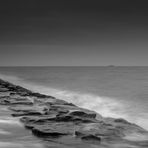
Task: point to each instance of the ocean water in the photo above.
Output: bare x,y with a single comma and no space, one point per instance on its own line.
119,92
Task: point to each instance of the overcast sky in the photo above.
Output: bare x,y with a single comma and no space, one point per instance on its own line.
73,32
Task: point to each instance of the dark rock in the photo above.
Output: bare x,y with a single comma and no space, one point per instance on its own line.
88,114
28,110
14,101
71,118
54,129
121,121
3,89
41,133
70,104
40,95
38,119
91,138
79,134
26,114
13,93
99,129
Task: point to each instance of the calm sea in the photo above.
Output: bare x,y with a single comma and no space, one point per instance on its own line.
111,91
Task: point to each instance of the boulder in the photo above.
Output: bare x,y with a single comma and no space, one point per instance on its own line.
91,138
81,113
53,129
98,129
71,118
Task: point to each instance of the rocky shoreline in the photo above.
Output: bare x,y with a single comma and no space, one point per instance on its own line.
67,125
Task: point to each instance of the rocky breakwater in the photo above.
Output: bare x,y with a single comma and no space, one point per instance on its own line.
63,125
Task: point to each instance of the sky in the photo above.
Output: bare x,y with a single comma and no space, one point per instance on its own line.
73,33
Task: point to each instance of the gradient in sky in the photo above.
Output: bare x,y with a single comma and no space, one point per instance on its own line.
73,32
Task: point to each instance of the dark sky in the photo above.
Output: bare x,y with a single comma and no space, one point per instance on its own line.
73,32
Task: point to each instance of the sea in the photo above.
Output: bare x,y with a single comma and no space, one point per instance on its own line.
112,91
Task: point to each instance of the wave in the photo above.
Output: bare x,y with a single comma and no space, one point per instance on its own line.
106,106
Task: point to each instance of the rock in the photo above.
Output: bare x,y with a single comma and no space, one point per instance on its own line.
27,109
39,95
121,121
99,129
54,129
87,136
63,107
46,132
71,118
3,89
31,113
87,114
13,93
91,138
43,119
14,101
123,126
18,89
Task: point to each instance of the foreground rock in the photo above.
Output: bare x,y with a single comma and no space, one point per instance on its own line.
62,124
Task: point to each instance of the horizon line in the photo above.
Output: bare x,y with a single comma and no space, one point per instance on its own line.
74,66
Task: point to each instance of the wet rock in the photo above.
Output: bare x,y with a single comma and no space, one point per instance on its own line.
26,114
39,95
91,138
121,121
43,119
71,118
87,114
3,89
18,89
63,106
54,129
99,129
124,126
46,132
14,101
13,93
27,109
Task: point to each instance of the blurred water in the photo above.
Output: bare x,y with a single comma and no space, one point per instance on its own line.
13,134
111,91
